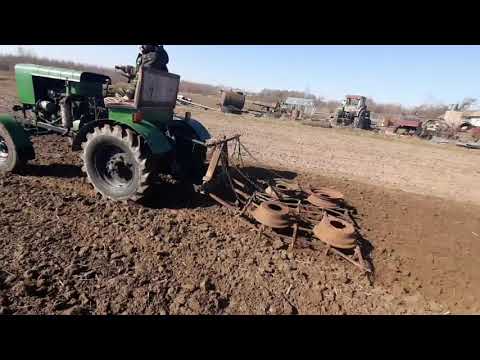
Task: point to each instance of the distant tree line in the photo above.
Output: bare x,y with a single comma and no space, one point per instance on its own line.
28,56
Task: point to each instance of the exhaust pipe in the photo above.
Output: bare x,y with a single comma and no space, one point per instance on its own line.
66,112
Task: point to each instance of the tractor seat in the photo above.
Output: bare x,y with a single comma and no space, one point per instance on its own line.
155,89
119,102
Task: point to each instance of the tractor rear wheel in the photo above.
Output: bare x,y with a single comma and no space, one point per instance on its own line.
190,158
361,121
115,163
10,159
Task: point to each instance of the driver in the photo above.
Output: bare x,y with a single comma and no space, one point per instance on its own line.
153,56
150,56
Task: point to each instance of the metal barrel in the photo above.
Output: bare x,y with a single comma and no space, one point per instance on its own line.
230,98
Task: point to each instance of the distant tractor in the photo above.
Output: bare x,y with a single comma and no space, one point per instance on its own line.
123,144
353,112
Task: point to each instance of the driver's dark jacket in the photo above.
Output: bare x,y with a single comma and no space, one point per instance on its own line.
155,59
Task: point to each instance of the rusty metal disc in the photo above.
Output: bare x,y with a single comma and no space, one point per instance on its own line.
269,191
335,232
321,202
327,193
292,203
284,185
272,214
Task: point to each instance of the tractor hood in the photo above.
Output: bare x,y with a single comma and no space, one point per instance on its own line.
60,73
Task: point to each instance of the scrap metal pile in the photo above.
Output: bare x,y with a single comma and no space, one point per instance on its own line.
299,215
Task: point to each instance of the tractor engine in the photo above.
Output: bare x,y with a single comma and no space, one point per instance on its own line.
47,109
60,109
61,98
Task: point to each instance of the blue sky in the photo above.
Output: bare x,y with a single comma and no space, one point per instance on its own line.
408,75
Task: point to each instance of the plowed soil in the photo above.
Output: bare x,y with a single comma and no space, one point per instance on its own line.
64,250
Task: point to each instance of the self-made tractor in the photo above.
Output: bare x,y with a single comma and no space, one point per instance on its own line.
124,145
353,112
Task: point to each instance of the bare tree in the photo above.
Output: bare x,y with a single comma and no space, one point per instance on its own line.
25,52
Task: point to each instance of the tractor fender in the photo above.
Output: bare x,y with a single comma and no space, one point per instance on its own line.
200,130
154,137
197,127
19,136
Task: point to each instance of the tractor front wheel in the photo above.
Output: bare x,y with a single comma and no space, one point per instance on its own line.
10,160
356,122
115,164
336,119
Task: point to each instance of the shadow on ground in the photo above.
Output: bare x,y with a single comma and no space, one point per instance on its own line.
175,196
263,173
53,170
182,195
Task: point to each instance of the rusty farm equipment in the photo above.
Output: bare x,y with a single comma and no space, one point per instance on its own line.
281,209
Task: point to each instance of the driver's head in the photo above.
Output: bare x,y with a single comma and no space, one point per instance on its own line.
145,49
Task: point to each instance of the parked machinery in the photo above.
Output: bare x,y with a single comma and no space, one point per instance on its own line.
424,128
407,126
353,112
435,128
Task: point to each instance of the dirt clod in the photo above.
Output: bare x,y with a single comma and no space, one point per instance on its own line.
207,285
279,244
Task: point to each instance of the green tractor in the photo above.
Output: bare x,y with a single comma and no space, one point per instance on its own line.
124,145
